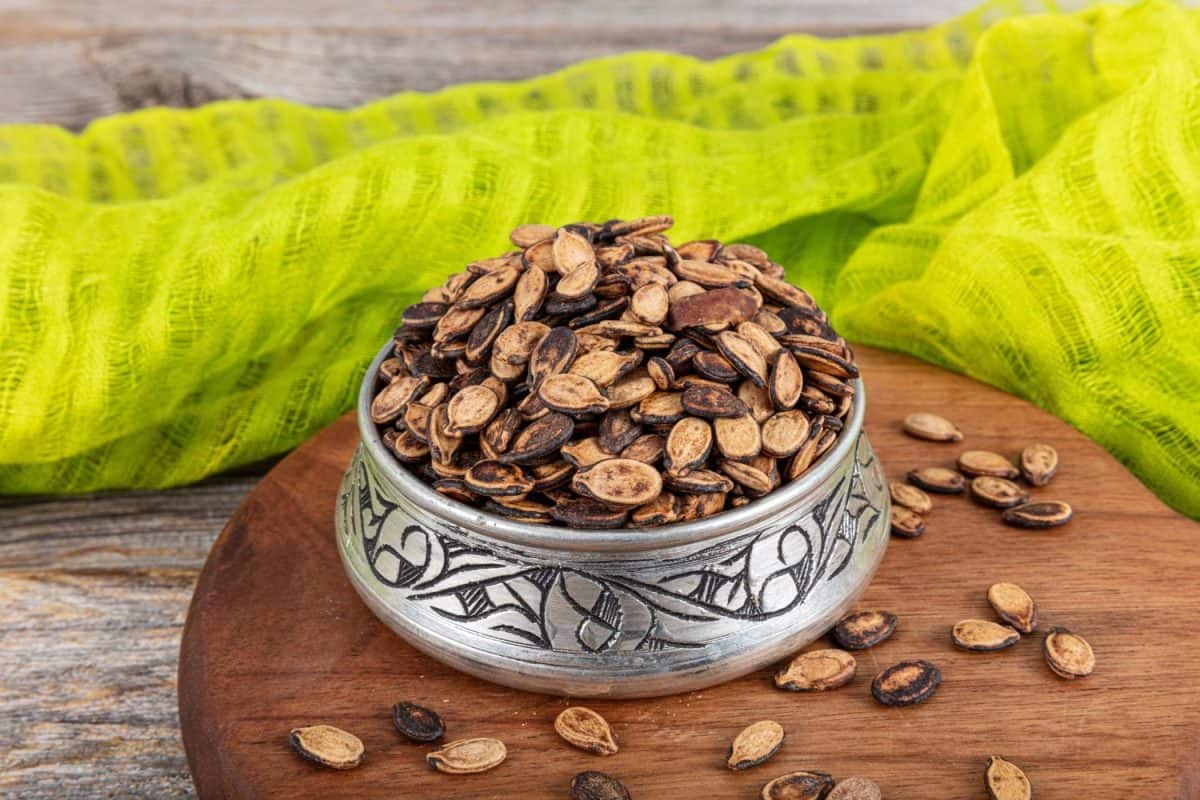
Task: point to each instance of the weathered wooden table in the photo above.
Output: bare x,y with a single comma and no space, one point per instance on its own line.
93,590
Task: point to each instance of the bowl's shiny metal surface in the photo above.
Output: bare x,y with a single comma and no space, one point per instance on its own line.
617,613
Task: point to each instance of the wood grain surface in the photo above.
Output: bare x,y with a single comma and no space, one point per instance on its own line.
276,638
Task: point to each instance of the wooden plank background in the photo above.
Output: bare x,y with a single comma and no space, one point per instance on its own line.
93,590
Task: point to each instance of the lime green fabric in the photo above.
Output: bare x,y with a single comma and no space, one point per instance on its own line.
1013,195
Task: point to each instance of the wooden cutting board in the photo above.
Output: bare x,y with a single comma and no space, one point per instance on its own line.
276,638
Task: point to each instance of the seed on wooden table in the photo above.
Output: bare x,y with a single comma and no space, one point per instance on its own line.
817,671
938,479
864,629
802,785
699,481
755,744
711,402
975,463
910,497
1006,781
417,723
542,437
906,683
981,635
471,409
856,789
931,427
571,251
1013,605
906,523
392,399
467,756
784,433
583,512
619,482
593,785
688,445
744,356
572,394
1041,514
997,492
1039,463
738,438
495,479
530,234
586,730
1068,654
328,746
787,381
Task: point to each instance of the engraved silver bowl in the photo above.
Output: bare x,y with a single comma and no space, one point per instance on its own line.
612,613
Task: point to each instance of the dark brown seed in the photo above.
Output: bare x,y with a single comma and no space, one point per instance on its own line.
981,635
572,394
1039,463
522,510
620,482
417,723
699,481
787,381
906,683
910,497
662,510
424,316
528,235
597,786
489,288
938,479
661,408
1005,781
407,447
815,359
698,506
906,523
997,492
618,430
688,445
864,629
585,513
715,307
328,746
1013,605
715,367
710,402
390,369
755,744
1042,514
803,785
391,401
586,730
814,401
975,463
856,789
455,488
549,476
498,434
572,251
541,438
495,479
681,354
645,272
817,671
1068,654
641,226
553,354
467,756
738,438
609,309
647,448
932,428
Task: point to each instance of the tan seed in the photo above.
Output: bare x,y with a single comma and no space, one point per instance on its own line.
585,452
906,683
528,235
1068,654
1006,781
586,730
650,304
700,250
392,400
755,744
787,381
975,463
407,447
688,444
661,373
783,292
753,480
803,785
471,409
767,345
457,323
662,510
744,356
442,443
699,481
630,390
981,635
997,492
495,479
938,479
328,746
572,394
1013,605
661,408
572,251
931,427
910,497
529,294
487,289
864,629
708,274
715,367
738,438
516,343
906,523
604,367
647,448
757,399
619,482
817,671
578,283
856,789
467,756
1039,463
1042,514
784,433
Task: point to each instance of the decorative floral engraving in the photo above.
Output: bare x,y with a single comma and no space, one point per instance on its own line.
641,605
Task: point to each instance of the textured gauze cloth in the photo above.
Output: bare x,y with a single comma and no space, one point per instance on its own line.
1012,195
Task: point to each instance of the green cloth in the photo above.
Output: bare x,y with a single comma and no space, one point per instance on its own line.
1014,196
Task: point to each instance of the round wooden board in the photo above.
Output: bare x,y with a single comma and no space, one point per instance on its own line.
276,638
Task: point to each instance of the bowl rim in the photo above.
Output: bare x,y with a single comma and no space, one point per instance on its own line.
561,537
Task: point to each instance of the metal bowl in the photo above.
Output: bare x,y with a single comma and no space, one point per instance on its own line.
612,613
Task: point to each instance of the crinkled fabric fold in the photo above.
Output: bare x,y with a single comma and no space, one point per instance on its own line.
1012,195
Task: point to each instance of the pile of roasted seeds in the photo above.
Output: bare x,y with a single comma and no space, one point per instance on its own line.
600,377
